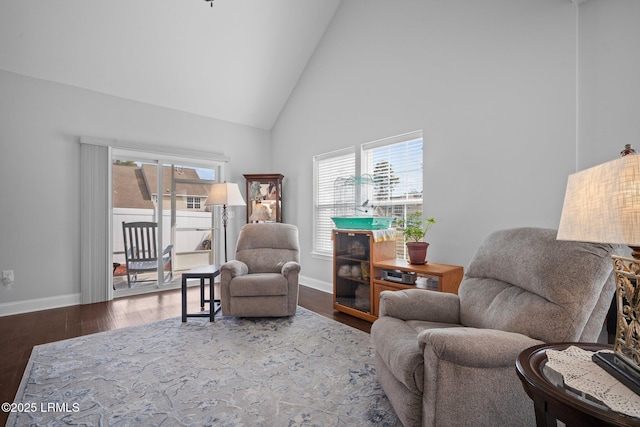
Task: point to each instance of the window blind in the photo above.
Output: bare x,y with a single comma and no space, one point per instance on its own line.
96,277
326,169
396,167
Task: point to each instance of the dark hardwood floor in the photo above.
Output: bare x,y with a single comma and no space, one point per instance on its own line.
21,332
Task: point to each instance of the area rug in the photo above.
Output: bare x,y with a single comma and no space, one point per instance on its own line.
305,370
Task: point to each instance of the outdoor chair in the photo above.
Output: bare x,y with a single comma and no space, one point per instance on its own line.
141,252
449,360
263,279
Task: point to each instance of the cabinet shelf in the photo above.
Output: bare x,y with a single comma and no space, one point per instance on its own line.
354,279
429,283
351,306
353,258
431,277
354,252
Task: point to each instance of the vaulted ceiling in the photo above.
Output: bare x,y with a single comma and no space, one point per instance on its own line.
238,60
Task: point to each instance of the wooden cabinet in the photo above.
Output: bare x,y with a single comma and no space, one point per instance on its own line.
354,252
431,276
264,197
358,262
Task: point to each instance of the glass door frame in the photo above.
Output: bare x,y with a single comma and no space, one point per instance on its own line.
174,228
161,159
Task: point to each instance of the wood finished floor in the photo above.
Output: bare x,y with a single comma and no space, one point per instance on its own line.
21,332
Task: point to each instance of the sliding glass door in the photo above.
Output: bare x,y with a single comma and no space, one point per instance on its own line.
172,196
191,221
133,201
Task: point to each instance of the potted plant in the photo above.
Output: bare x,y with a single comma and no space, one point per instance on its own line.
414,230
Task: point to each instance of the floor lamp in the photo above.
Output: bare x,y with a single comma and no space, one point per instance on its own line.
602,205
225,194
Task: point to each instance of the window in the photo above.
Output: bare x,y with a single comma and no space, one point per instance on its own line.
326,169
193,202
395,164
396,167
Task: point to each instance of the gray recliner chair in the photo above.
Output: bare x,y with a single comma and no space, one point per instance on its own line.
449,360
263,279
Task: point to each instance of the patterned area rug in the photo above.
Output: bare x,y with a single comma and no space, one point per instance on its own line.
306,370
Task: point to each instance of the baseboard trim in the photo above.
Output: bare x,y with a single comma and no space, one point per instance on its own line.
316,284
27,306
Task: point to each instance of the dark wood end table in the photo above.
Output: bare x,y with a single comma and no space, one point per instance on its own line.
202,272
555,402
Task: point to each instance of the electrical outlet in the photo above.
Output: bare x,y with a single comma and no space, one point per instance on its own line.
7,277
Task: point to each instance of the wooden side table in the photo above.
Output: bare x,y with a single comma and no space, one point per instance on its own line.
436,277
555,402
202,272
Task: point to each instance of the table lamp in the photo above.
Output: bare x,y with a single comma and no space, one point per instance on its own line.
602,205
225,194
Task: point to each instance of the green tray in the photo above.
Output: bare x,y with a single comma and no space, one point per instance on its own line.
362,222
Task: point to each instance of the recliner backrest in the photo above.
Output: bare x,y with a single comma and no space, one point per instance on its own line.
265,247
524,280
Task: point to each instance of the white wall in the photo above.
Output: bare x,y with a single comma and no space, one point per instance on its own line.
609,72
491,83
40,127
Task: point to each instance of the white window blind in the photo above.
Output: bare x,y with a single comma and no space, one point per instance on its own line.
96,274
396,167
326,168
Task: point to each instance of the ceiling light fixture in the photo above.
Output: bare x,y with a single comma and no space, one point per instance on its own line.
210,1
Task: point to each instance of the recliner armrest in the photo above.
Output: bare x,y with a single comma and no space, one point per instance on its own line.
418,304
290,266
471,347
235,268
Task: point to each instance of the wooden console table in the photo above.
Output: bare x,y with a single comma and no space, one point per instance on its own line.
432,276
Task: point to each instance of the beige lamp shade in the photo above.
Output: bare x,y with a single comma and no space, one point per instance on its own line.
602,204
225,194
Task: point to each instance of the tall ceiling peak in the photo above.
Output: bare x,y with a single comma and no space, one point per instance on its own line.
237,61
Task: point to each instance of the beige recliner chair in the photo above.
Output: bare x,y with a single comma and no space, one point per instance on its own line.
449,360
263,279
